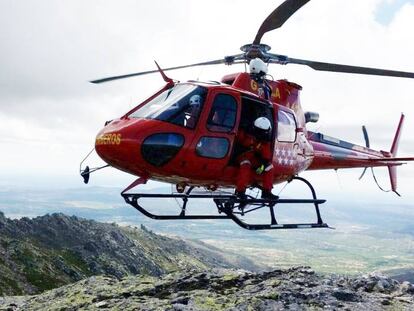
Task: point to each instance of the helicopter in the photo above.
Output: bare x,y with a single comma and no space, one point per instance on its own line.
188,134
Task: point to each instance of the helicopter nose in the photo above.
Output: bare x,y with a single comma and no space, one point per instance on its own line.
107,144
117,144
141,147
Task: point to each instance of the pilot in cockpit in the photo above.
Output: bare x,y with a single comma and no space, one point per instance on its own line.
193,111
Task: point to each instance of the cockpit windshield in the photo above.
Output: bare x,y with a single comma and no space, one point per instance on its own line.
180,105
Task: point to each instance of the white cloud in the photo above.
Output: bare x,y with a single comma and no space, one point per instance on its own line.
49,114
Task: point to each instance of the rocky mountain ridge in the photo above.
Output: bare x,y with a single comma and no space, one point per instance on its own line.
298,288
54,250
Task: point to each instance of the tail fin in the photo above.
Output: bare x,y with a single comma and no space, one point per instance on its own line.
394,149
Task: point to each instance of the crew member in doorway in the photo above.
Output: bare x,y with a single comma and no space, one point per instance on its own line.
256,158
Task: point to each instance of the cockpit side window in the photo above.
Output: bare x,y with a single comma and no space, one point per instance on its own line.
180,105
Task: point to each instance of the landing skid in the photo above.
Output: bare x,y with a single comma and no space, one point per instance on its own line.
231,207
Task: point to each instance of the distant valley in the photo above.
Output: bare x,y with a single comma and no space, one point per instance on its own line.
366,239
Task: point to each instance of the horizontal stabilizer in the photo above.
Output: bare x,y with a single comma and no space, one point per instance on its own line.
391,159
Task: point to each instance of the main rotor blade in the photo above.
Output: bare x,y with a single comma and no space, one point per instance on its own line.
320,66
213,62
278,17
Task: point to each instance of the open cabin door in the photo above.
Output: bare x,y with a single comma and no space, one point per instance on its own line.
251,109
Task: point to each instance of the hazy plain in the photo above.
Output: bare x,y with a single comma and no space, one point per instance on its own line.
366,238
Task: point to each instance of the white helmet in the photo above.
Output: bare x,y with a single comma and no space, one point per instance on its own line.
263,123
257,66
195,100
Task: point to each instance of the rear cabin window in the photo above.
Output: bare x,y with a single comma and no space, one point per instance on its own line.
286,126
223,114
212,147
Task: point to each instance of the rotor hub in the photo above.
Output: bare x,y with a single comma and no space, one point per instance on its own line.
262,47
255,51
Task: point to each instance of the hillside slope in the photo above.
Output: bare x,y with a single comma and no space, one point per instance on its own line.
53,250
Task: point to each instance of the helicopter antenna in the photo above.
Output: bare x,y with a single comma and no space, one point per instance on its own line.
338,179
379,186
163,75
85,173
200,72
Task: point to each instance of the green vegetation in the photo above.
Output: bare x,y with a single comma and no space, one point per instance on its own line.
75,260
41,279
54,250
9,285
212,303
229,277
273,296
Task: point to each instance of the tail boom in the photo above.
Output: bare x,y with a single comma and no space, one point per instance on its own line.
332,153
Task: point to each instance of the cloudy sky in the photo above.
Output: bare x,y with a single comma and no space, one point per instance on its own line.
50,114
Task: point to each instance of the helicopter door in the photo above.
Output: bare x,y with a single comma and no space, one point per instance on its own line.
213,141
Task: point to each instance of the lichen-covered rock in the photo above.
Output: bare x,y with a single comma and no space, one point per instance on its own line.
296,288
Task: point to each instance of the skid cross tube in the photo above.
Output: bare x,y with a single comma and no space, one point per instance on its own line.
132,199
227,206
318,213
231,207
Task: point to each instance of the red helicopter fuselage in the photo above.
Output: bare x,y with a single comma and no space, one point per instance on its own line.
223,134
155,141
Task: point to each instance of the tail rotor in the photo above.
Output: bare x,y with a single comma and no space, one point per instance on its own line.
391,155
366,137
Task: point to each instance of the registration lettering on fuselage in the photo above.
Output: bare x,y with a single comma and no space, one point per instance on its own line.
109,139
